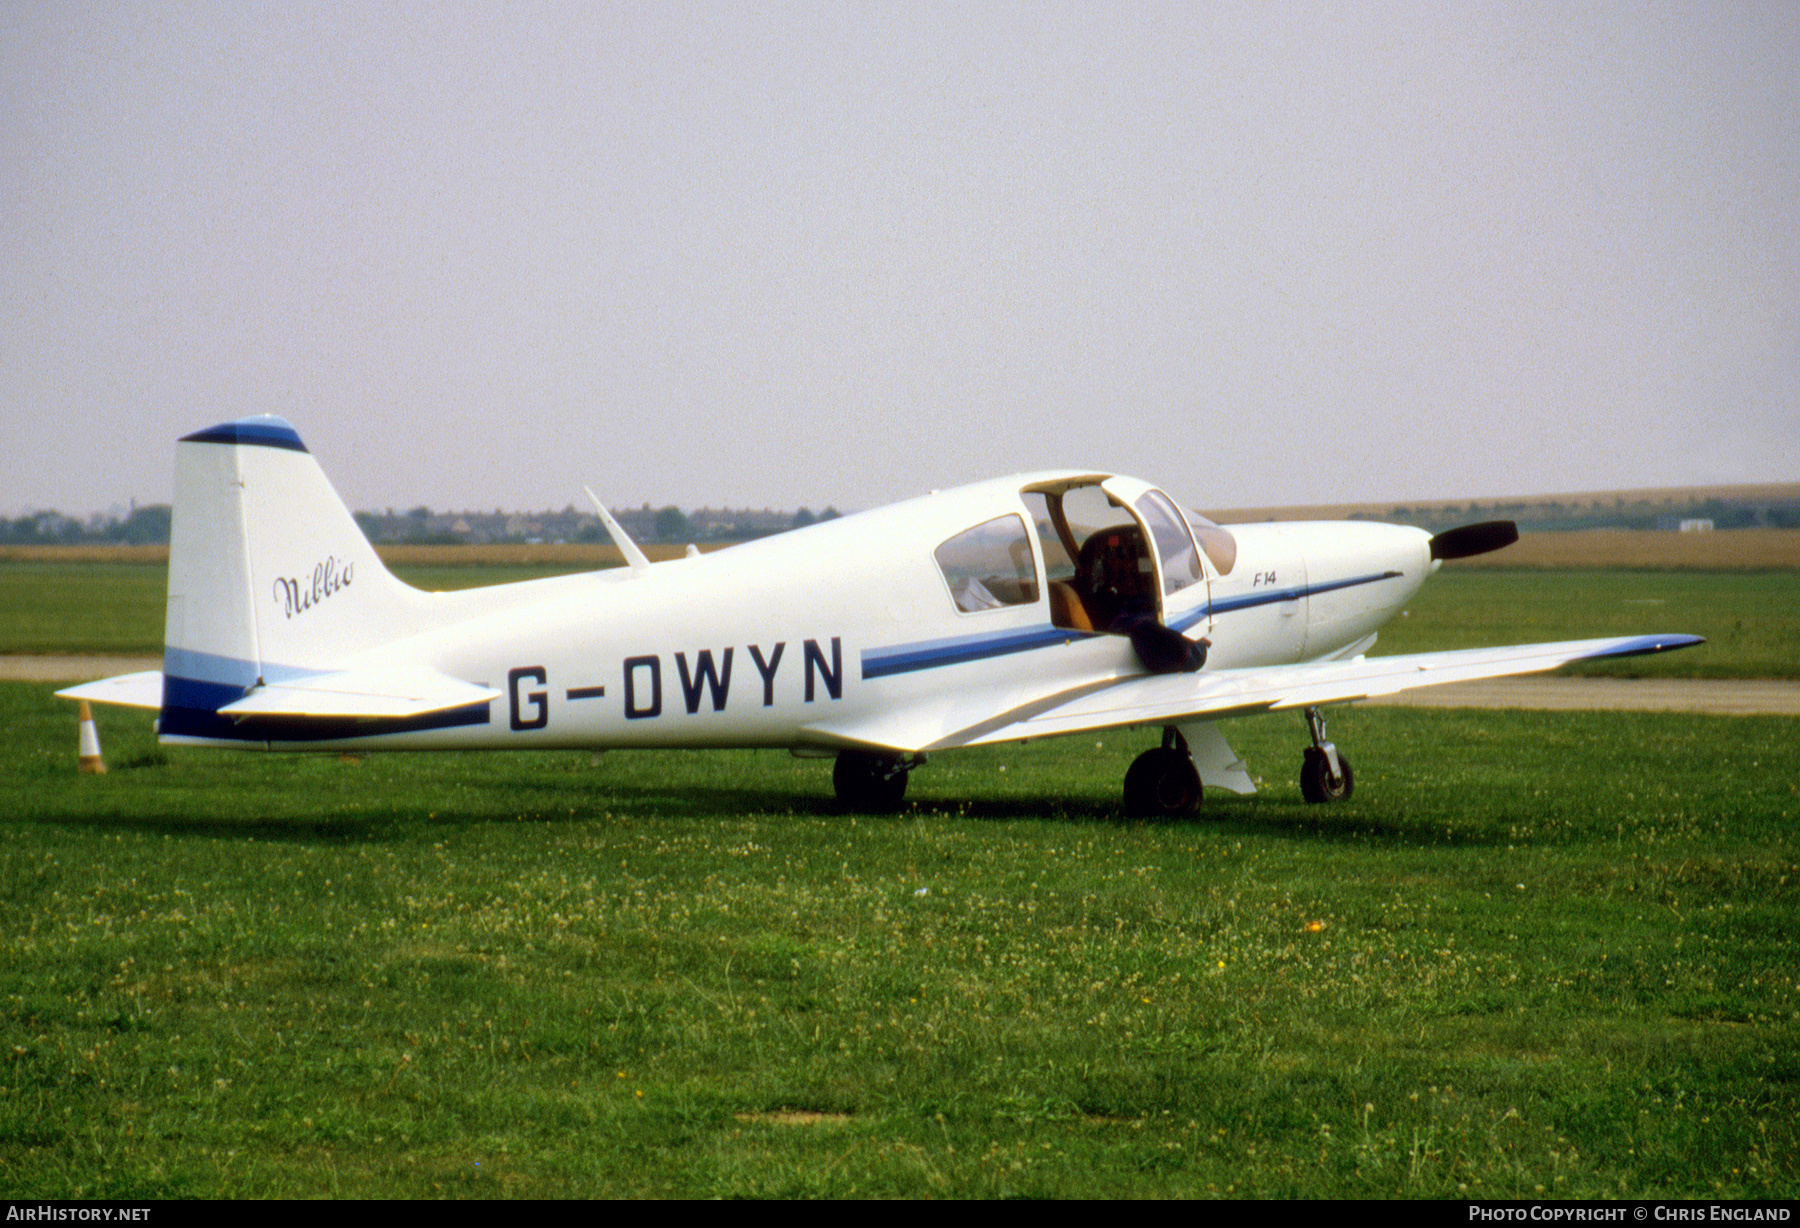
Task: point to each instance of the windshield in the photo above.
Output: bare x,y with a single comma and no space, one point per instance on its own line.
1215,539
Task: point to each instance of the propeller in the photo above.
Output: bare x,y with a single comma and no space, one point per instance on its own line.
1472,539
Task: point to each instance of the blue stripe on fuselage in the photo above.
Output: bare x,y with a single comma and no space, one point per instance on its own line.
1273,596
959,650
213,667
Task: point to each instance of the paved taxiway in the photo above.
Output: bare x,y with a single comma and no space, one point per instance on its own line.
1744,697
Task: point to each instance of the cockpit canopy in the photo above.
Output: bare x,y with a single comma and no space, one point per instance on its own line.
1099,565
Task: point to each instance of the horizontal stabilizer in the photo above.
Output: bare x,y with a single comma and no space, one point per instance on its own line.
380,691
140,690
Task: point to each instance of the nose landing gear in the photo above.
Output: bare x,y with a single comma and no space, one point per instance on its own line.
1325,775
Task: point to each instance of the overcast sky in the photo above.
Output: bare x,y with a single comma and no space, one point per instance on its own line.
765,254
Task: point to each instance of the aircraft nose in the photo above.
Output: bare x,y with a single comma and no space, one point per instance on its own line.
1360,574
1410,553
1355,551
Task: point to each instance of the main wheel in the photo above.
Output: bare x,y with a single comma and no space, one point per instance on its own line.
872,783
1162,784
1315,778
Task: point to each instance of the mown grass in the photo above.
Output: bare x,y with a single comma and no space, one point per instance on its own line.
64,607
1725,550
1536,954
77,607
1751,620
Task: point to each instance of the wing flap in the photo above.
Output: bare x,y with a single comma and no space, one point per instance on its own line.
949,719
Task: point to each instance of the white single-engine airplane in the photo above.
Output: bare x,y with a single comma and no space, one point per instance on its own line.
1024,607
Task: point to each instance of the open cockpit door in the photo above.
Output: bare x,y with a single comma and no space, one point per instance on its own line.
1095,558
1174,555
1116,551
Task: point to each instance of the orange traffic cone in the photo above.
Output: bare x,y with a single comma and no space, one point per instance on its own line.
90,742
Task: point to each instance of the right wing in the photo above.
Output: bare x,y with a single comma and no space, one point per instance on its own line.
1165,699
1126,699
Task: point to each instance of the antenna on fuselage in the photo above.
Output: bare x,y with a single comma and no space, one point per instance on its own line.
633,556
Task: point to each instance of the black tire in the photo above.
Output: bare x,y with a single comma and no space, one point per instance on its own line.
1162,784
1315,778
873,784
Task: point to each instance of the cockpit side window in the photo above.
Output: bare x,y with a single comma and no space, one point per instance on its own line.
990,566
1088,509
1215,539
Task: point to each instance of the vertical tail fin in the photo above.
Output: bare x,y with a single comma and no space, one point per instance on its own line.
269,575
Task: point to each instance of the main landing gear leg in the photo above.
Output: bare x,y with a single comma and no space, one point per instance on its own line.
1163,783
1325,775
872,783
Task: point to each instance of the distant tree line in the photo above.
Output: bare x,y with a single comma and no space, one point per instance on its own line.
664,525
1617,513
143,526
149,524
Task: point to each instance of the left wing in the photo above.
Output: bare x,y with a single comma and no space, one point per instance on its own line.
1168,699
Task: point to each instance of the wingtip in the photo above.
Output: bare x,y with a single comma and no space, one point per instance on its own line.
1648,644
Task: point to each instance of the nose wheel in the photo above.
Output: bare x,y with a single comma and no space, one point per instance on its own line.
1325,775
1163,783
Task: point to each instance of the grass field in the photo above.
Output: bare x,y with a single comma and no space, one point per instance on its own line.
1536,955
1727,550
61,606
1751,620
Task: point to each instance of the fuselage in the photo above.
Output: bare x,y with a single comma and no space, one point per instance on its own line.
791,640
